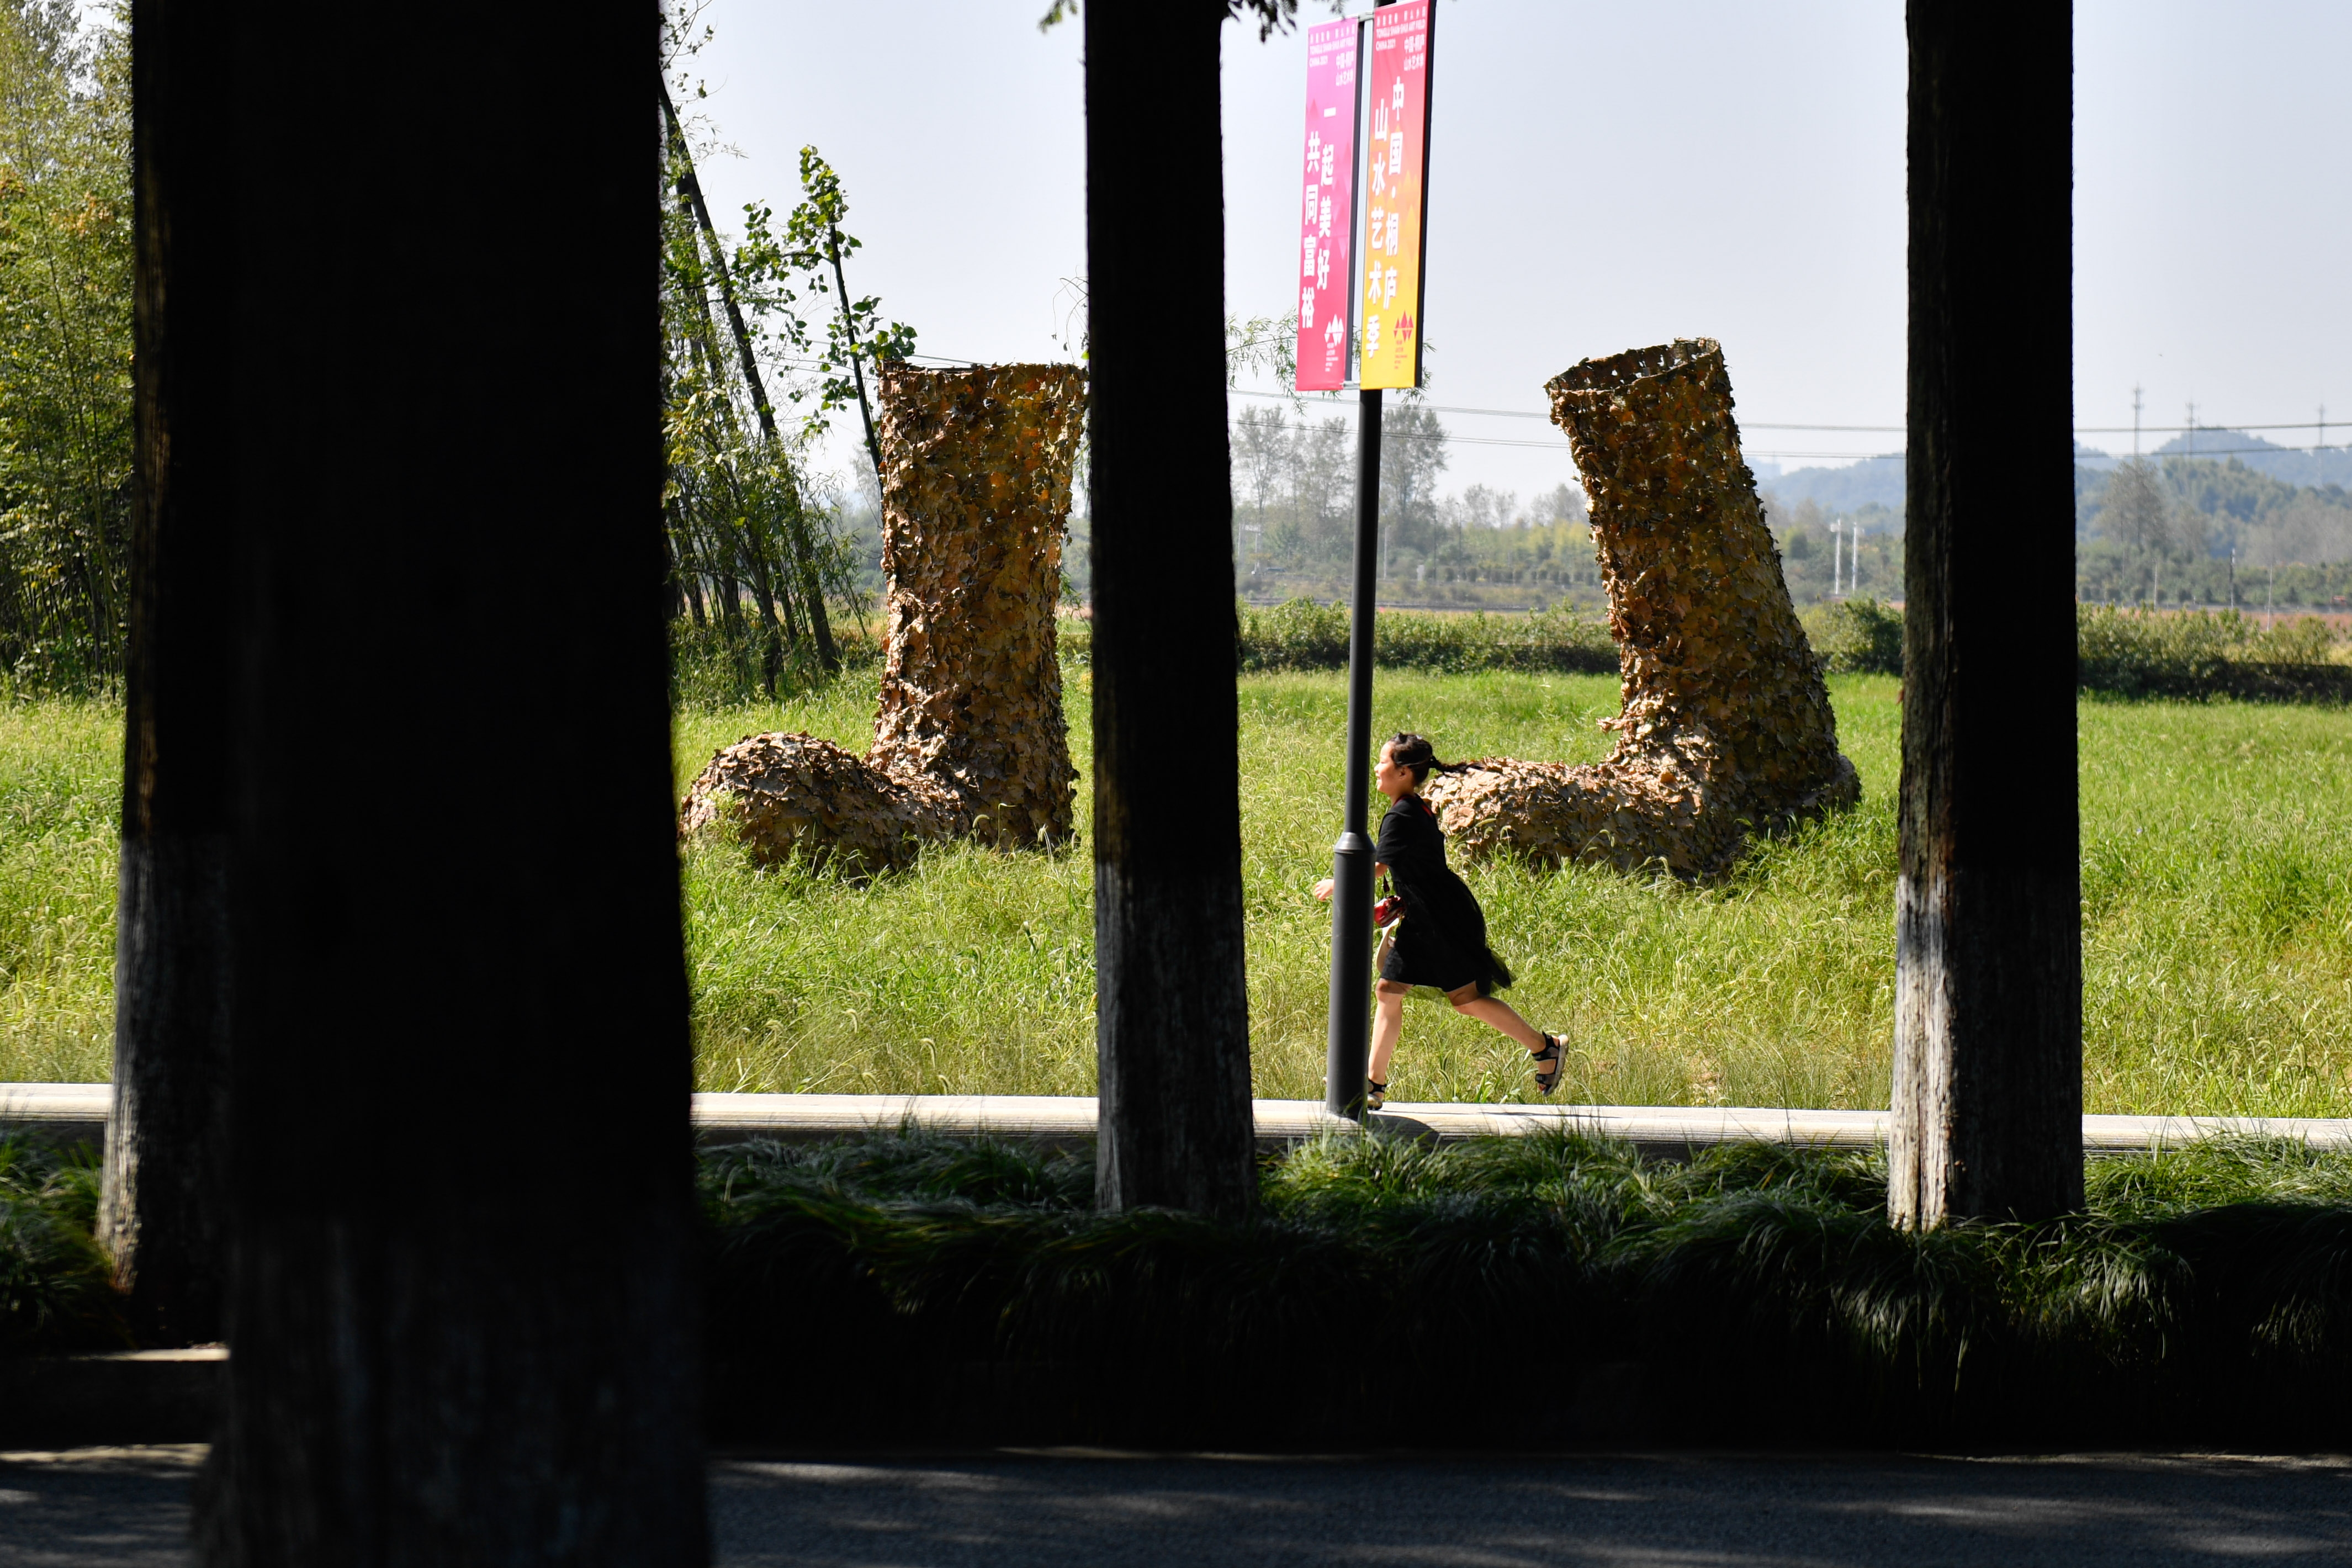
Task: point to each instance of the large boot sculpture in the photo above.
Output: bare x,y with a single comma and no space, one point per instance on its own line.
1726,728
969,741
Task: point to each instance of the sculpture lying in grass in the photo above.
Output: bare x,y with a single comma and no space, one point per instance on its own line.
969,741
1727,726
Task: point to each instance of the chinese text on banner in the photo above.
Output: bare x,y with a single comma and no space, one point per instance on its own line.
1396,164
1326,215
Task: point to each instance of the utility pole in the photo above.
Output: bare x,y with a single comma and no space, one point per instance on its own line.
2319,454
2192,427
2134,419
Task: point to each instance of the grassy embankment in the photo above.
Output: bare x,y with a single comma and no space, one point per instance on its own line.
969,1292
2217,895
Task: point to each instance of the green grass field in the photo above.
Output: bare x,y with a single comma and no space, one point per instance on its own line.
2217,871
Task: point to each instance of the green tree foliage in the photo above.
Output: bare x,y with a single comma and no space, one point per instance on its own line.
2199,531
814,250
66,240
757,558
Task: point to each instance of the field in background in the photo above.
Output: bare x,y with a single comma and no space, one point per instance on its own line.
2217,870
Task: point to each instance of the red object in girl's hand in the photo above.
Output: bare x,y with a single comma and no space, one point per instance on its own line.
1388,910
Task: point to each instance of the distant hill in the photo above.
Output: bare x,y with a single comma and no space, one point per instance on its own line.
2281,463
1850,489
1880,479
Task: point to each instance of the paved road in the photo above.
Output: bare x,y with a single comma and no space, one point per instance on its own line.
129,1506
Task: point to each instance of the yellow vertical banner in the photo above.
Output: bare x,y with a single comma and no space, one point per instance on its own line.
1396,195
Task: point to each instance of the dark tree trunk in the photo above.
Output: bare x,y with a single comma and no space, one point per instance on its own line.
459,1335
1173,1040
1988,1034
166,1143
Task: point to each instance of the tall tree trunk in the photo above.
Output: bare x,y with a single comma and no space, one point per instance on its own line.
805,543
167,1141
1987,1031
458,1336
849,335
1172,1035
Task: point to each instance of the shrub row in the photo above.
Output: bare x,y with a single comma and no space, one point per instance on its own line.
1304,635
1522,1291
2123,653
2131,653
1505,1291
1858,636
56,1292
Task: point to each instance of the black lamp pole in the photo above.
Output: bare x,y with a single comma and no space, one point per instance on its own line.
1351,859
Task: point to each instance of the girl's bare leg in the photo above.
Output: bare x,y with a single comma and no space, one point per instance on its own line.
1497,1011
1388,1023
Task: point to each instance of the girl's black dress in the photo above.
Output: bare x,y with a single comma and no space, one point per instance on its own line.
1441,941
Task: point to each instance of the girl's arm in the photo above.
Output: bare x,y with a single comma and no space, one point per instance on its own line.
1323,888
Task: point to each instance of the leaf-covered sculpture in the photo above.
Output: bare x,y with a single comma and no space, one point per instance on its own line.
1727,726
970,739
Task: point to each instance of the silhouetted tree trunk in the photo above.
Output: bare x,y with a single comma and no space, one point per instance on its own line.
1173,1040
462,1307
166,1143
1988,1034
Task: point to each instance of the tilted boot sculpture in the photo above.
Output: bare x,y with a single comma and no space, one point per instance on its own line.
1726,728
970,739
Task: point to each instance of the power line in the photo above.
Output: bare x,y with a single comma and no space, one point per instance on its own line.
2200,426
1452,439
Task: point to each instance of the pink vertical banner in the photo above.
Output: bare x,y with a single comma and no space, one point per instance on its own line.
1396,195
1326,213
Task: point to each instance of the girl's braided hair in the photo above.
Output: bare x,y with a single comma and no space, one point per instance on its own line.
1409,751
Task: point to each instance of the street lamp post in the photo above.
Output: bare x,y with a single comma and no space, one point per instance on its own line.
1350,1041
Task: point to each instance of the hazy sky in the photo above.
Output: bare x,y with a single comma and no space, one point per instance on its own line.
1606,177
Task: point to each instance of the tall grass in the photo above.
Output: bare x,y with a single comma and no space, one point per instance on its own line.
55,1288
60,818
2217,866
2218,883
1517,1291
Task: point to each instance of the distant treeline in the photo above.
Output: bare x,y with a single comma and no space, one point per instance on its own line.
2198,530
1294,485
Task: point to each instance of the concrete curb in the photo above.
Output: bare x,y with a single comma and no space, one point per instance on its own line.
124,1397
77,1112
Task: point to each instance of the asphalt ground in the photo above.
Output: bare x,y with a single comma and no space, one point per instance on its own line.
1658,1510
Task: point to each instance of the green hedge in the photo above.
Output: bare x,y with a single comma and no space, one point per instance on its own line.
1304,635
1856,636
2132,653
2124,653
908,1290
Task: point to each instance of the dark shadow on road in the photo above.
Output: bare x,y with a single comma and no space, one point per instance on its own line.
123,1506
1822,1512
999,1509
